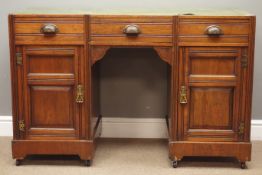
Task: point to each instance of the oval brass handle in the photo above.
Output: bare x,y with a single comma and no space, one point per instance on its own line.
132,30
214,30
49,29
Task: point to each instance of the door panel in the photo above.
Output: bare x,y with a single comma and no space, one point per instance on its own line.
52,106
51,64
210,65
51,77
211,108
211,77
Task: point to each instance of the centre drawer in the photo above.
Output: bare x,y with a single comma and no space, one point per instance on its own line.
44,29
131,30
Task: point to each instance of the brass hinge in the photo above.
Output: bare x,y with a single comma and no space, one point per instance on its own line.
21,124
80,94
244,59
241,128
183,95
19,58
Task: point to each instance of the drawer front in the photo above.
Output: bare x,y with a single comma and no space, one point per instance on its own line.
49,30
213,31
113,30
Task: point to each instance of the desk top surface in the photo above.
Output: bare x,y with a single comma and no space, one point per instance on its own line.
157,12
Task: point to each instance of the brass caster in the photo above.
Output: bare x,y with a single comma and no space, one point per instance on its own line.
18,162
87,162
243,165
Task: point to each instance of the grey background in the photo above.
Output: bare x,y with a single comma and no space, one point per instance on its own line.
153,105
133,83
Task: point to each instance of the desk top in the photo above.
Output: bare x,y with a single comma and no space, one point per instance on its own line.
154,12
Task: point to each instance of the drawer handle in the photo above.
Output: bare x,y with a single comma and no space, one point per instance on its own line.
214,30
188,14
131,30
49,29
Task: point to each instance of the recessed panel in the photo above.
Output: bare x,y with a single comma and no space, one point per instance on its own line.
51,106
211,108
51,64
212,65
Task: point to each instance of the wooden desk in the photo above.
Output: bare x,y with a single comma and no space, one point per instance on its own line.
53,57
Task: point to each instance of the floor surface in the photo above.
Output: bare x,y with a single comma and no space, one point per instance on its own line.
126,157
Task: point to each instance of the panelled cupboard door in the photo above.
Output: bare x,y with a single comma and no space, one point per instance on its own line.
210,93
50,79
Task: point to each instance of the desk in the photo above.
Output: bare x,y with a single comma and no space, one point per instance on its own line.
54,82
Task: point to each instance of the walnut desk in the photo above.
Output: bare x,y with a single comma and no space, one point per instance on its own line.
54,89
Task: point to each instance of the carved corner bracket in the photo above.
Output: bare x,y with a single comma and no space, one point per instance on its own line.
165,53
98,52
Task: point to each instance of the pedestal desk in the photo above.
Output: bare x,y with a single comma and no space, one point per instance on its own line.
54,81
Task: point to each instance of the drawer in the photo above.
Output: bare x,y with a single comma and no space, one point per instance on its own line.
213,30
131,30
49,30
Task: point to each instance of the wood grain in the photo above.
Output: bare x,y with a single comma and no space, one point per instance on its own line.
218,86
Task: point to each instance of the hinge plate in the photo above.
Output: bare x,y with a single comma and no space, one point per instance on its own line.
19,58
21,125
241,128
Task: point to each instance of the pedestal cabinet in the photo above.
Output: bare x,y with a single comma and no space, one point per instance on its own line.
50,106
50,82
55,85
211,81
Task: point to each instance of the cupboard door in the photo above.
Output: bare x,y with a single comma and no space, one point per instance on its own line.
50,77
209,93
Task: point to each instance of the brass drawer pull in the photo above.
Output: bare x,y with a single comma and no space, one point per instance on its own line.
188,14
214,30
49,29
131,30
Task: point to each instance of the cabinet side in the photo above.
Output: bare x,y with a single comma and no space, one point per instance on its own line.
250,74
13,75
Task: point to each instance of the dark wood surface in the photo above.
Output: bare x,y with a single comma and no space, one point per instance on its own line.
216,71
213,80
51,75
